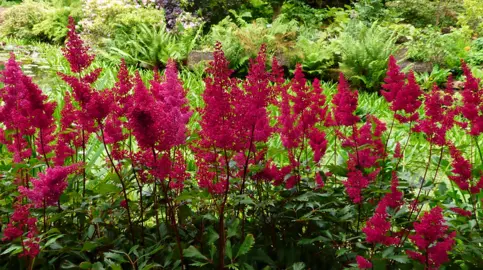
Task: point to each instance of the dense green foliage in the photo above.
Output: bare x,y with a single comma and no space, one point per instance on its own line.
257,224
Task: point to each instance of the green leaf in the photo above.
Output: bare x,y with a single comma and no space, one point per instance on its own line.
90,231
12,248
85,265
229,252
115,256
233,228
298,266
212,236
246,245
388,251
399,258
52,240
106,188
192,252
88,246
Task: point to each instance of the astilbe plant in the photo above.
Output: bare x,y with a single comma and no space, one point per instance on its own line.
302,115
22,223
25,113
432,239
284,201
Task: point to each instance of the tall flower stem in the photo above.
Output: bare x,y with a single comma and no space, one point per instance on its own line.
124,190
403,239
84,161
170,215
221,224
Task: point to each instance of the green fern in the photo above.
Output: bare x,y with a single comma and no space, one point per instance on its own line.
365,52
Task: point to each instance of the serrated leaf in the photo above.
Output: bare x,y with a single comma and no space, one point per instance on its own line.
52,240
88,246
85,265
246,245
233,228
90,231
212,236
229,252
388,251
115,256
106,188
298,266
399,258
10,249
192,252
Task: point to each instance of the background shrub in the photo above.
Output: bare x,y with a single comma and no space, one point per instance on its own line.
364,54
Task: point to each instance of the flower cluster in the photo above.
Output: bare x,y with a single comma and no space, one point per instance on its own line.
439,115
48,187
378,226
26,113
472,106
345,102
21,222
367,150
432,239
402,92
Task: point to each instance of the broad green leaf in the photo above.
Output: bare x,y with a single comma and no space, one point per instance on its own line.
106,188
246,245
89,246
85,265
192,252
298,266
12,248
229,252
399,258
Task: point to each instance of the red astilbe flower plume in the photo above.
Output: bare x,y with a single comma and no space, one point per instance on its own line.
432,240
407,101
461,212
363,263
221,121
367,149
158,117
172,96
461,169
75,51
472,106
394,81
21,222
345,102
48,187
302,111
69,133
258,95
378,226
439,116
25,111
461,172
403,96
145,117
178,172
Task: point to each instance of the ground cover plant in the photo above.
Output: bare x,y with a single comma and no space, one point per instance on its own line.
263,172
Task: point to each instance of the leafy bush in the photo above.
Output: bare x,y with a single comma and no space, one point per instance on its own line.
19,20
102,18
286,39
475,55
422,13
40,21
151,45
364,54
472,16
268,173
445,50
